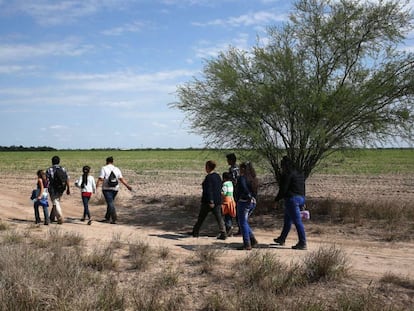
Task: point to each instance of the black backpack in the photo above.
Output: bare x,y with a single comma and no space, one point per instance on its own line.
59,181
112,180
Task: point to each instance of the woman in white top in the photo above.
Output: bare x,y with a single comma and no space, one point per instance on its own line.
88,186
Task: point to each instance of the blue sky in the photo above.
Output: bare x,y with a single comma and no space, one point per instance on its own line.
101,73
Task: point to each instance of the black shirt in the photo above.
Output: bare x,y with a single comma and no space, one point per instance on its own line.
292,183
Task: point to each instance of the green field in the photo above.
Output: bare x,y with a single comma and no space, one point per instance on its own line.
366,161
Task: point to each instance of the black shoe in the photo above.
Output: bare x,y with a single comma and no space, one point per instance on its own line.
46,223
279,241
82,219
113,222
253,241
229,231
89,221
104,220
222,236
300,246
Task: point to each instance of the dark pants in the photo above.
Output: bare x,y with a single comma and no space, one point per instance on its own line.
85,201
110,206
204,210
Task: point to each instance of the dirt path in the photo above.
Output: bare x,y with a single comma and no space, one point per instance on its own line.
143,217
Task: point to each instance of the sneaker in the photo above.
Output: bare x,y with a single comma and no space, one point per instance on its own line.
253,241
279,241
222,236
89,221
299,246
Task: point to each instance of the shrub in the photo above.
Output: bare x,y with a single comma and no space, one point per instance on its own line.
327,263
140,255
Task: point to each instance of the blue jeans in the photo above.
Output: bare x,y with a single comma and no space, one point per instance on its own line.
45,211
244,210
292,215
85,201
110,196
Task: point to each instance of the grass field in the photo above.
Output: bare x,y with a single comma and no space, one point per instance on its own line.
363,161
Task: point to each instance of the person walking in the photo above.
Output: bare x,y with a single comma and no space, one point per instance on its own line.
40,197
292,190
58,184
246,192
228,207
87,185
234,172
210,201
109,177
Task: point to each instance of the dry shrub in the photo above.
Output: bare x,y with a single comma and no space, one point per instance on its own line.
156,296
263,271
47,279
101,259
140,255
207,257
13,237
4,226
402,281
57,237
363,300
326,263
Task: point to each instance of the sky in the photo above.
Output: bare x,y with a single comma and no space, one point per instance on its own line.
80,74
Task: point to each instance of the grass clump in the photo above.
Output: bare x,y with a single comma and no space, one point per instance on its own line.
402,281
101,259
207,257
326,263
140,255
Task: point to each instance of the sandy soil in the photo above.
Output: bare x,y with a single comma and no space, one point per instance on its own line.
161,220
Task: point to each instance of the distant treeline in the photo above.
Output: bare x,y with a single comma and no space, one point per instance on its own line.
22,148
46,148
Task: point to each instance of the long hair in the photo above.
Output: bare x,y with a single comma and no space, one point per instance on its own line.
42,174
85,170
250,174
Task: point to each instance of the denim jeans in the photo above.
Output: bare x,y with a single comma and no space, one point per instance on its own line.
110,196
244,210
292,215
85,201
45,212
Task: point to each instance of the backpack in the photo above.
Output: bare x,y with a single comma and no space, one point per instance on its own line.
112,180
59,180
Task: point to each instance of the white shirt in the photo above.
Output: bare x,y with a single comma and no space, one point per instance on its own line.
104,174
90,187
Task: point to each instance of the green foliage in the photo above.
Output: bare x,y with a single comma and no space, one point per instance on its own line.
332,77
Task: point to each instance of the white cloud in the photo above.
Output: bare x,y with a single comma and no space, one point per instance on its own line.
127,28
25,51
48,13
250,19
207,49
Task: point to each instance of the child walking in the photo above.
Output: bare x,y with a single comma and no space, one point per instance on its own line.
88,186
40,197
229,205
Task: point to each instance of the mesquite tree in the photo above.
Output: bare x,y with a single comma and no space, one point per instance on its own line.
333,76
